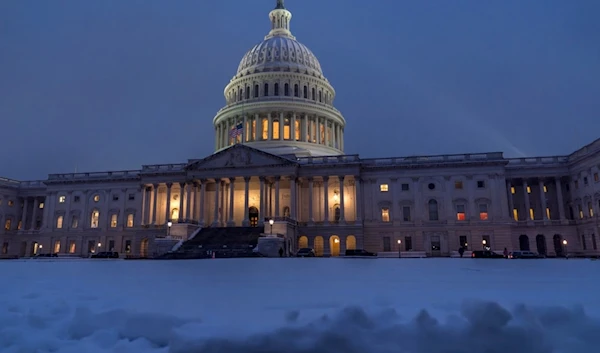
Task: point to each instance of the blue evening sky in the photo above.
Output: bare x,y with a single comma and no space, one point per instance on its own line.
114,84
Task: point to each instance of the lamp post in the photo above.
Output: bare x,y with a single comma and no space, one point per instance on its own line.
99,245
484,243
169,225
565,246
399,249
271,221
40,248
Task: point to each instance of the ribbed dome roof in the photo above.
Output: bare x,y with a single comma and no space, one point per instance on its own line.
280,53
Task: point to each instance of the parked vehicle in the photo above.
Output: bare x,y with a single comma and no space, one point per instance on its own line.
106,255
359,253
306,252
524,255
486,254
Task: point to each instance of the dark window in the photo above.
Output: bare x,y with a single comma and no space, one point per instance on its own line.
313,94
405,187
433,210
111,245
127,246
431,186
305,92
115,197
76,198
594,245
296,92
255,91
406,213
387,244
266,92
480,184
583,243
131,197
320,96
408,243
247,92
276,89
585,180
286,90
462,241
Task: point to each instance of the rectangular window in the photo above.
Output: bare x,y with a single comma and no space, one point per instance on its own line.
580,211
59,222
113,221
131,197
111,245
548,213
74,222
387,244
516,214
7,224
585,180
62,199
4,248
594,245
405,187
130,220
483,212
462,242
529,189
11,203
115,197
512,190
72,247
384,188
596,177
56,246
385,214
41,205
406,213
576,184
460,213
583,243
480,184
76,198
545,188
458,185
128,244
591,209
408,243
531,214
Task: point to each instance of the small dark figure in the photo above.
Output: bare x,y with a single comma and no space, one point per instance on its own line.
505,253
280,252
461,251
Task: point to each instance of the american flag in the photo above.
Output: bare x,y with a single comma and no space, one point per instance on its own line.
236,131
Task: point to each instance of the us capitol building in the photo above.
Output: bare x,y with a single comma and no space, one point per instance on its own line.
279,155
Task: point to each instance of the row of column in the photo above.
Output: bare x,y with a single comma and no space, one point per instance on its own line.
25,226
543,201
300,127
225,188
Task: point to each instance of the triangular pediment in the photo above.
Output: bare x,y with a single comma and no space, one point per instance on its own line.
240,156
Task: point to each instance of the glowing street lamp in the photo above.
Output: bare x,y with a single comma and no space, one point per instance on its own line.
169,225
271,221
399,249
565,246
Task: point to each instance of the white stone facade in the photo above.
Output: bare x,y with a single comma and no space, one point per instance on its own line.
288,165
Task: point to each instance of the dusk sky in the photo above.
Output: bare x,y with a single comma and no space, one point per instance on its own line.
114,84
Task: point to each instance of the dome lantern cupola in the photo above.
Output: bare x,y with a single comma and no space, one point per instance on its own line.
280,21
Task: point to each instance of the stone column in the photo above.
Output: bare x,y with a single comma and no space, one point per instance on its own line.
246,221
258,133
181,195
231,222
154,203
277,195
189,193
202,202
326,130
66,223
24,214
357,199
36,205
311,217
342,203
281,124
293,127
270,131
543,200
326,199
419,212
527,203
261,218
304,127
46,212
559,196
107,217
122,219
511,202
168,207
215,222
293,197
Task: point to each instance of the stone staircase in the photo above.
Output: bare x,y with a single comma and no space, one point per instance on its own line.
222,242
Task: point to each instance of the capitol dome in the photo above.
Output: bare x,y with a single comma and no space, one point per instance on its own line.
279,100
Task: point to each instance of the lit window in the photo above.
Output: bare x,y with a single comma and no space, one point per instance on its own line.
74,222
62,199
529,189
458,185
72,247
531,214
580,211
385,214
56,246
591,209
113,221
516,214
512,190
11,203
383,187
96,198
41,205
548,213
59,222
483,212
276,129
95,219
7,224
130,220
460,213
545,188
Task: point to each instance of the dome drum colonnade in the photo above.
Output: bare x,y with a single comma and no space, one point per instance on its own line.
280,98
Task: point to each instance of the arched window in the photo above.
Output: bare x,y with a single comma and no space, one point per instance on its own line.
286,90
265,128
286,211
286,129
320,96
275,129
266,92
95,219
247,92
305,92
255,91
433,210
74,222
130,220
241,93
113,220
296,92
175,213
313,94
276,89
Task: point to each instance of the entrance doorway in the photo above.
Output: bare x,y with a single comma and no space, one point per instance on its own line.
558,245
436,246
523,242
144,248
540,241
253,216
334,245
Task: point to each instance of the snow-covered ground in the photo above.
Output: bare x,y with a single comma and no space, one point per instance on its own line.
300,305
